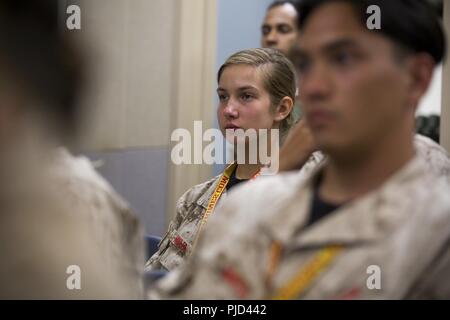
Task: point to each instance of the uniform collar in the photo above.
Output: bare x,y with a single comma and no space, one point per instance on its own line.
204,198
363,220
203,201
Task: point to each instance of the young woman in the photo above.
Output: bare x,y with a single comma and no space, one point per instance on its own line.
256,90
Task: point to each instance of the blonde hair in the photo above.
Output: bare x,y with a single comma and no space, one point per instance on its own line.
278,75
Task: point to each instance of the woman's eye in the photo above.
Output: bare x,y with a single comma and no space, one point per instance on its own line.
222,97
247,97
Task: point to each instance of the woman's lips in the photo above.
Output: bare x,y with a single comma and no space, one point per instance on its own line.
232,127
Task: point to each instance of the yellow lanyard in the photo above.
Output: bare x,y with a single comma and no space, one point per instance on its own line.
305,276
219,190
224,179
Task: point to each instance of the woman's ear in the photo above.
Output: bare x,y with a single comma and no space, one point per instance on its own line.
284,109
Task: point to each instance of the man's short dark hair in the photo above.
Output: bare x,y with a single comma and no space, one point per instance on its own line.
278,3
410,23
41,58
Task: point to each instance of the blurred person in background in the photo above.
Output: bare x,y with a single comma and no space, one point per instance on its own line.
56,211
279,28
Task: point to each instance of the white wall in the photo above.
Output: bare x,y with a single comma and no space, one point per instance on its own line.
445,114
431,102
131,44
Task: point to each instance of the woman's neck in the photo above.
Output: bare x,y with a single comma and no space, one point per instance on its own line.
249,163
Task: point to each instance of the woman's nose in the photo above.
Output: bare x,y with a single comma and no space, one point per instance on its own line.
230,111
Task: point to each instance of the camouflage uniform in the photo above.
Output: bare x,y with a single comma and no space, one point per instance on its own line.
39,245
117,230
402,228
177,243
435,156
64,214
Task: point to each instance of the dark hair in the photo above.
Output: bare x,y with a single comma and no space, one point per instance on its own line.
278,3
41,58
413,24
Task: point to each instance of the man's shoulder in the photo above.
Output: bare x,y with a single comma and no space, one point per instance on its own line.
437,190
420,194
76,177
436,157
268,185
259,199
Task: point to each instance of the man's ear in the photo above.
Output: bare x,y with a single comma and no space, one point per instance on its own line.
420,67
284,108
